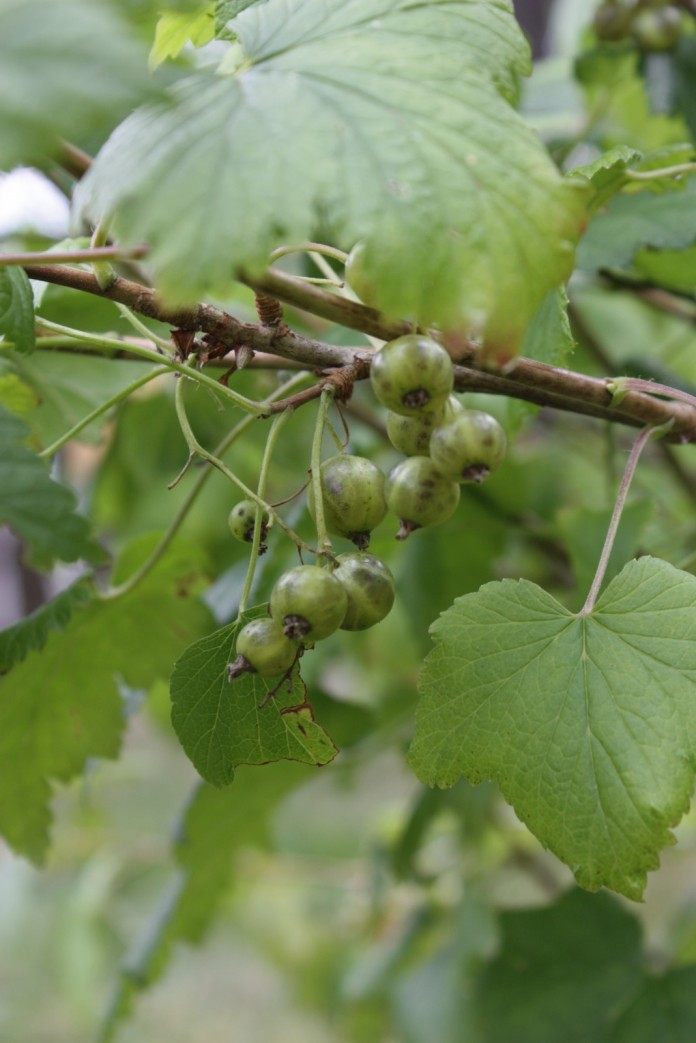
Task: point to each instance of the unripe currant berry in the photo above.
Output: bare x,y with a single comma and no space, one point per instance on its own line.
353,497
468,448
309,603
369,586
657,30
412,375
612,21
242,519
262,648
356,278
419,495
411,434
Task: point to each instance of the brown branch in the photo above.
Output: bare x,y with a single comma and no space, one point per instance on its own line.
525,379
96,253
73,160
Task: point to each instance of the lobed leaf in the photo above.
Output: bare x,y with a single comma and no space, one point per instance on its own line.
388,122
587,724
66,66
61,706
36,508
222,725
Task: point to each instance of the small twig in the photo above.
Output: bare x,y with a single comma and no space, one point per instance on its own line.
618,386
74,160
324,546
630,469
652,175
273,433
91,254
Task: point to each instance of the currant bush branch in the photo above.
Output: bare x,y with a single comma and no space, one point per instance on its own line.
528,380
150,355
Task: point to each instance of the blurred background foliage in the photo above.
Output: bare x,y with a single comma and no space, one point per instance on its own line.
348,904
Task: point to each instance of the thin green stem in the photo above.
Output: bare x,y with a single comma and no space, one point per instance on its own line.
652,175
104,271
200,450
103,408
132,318
97,341
326,269
629,471
194,492
276,426
309,247
324,547
114,253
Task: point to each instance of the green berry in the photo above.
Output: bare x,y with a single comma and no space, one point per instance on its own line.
412,375
262,648
419,495
613,21
469,447
369,586
309,603
411,434
657,30
353,497
355,275
242,519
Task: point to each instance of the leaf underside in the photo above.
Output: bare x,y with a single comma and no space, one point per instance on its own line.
378,121
588,725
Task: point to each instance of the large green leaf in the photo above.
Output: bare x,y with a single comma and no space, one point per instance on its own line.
665,1009
215,825
387,121
16,309
631,221
562,972
66,66
588,724
222,725
61,705
36,508
31,633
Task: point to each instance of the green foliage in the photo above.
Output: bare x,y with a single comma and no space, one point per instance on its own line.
38,509
16,309
175,29
607,175
42,44
61,706
31,633
586,723
339,74
214,826
632,221
223,724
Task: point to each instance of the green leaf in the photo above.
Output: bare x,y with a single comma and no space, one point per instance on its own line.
376,120
607,174
665,1009
175,29
16,308
36,508
67,387
587,724
675,269
66,66
562,973
215,825
632,221
31,633
61,706
16,395
226,10
222,725
549,337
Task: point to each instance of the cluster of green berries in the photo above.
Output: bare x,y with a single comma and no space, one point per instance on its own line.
444,445
653,24
308,603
